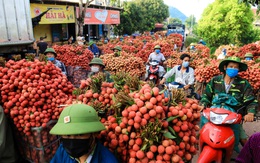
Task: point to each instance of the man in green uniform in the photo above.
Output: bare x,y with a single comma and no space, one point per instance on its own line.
117,51
235,86
97,66
249,57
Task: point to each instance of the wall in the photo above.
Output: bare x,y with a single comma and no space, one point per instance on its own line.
41,30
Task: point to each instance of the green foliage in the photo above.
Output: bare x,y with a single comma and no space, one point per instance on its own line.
190,21
253,36
190,39
174,20
212,50
226,21
141,15
129,19
153,11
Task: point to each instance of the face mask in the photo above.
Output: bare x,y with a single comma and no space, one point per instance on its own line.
192,47
51,59
94,69
248,59
185,64
157,51
232,72
77,147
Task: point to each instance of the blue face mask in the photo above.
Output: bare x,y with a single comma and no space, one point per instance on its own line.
51,59
157,51
248,59
192,47
232,72
185,64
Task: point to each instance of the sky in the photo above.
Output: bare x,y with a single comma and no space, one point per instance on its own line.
190,7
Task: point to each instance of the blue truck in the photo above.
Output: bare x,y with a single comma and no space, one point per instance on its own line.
176,28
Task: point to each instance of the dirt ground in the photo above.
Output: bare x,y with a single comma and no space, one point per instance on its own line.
250,128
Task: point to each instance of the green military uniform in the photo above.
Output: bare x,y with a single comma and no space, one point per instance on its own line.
119,48
107,74
98,61
240,89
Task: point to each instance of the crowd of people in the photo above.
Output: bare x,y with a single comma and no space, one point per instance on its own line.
79,125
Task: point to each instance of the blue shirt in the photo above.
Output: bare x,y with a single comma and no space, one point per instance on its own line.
94,49
101,155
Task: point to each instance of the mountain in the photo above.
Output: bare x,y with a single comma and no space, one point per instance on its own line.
175,13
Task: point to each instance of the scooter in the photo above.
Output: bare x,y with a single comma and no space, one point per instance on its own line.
217,138
153,72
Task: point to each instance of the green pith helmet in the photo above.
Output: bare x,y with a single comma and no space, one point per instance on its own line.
77,119
117,48
249,55
157,47
242,66
96,61
193,44
50,50
91,43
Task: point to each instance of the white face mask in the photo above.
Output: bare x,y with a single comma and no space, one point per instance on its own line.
94,69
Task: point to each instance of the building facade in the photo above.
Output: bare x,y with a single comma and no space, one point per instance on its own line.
60,21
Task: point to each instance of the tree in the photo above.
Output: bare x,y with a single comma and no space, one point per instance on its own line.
141,15
130,20
154,11
82,11
190,22
174,20
81,15
225,22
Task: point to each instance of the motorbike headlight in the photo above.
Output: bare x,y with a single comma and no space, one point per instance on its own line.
217,118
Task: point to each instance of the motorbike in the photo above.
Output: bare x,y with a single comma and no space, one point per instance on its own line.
153,70
217,139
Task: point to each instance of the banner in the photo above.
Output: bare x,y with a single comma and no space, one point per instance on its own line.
99,16
58,14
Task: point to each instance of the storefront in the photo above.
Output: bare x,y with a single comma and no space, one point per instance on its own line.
97,22
58,24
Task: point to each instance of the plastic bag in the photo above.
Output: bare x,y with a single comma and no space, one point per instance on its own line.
226,101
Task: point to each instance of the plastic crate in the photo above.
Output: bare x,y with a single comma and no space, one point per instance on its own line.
39,147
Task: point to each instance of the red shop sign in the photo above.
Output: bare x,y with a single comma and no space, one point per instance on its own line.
99,16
